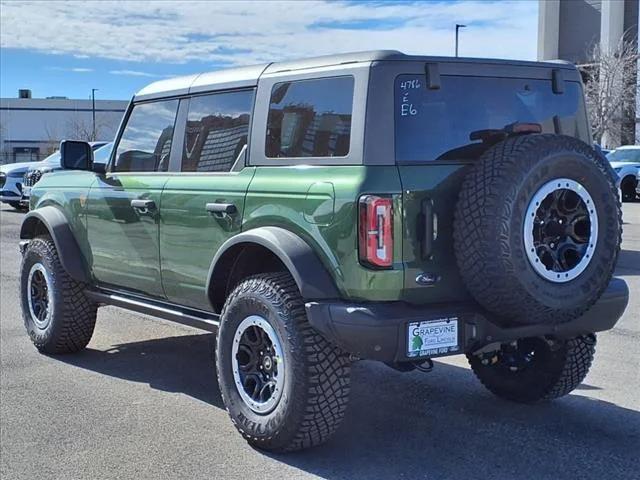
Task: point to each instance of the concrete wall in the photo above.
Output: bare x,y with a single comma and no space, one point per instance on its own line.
579,29
567,29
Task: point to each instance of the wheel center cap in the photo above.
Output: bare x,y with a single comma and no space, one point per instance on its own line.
555,229
267,363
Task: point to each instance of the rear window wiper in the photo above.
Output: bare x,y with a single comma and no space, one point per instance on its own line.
493,135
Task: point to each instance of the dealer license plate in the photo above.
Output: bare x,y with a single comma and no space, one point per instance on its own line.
433,337
26,192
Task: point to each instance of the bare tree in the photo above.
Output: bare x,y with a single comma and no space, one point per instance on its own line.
4,154
611,89
53,139
78,129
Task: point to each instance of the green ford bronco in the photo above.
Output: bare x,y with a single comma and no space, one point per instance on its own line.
362,206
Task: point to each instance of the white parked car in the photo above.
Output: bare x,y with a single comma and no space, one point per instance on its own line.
12,189
11,182
625,161
101,152
12,175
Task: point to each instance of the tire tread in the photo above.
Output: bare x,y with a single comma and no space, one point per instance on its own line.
327,367
78,316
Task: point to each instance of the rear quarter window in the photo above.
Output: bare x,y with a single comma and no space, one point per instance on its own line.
437,124
310,118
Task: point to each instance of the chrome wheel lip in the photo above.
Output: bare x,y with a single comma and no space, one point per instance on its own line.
267,406
532,256
44,323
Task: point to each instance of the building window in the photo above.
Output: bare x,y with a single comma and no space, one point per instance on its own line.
26,154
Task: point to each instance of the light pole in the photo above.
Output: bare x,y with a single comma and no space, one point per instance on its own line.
93,110
458,27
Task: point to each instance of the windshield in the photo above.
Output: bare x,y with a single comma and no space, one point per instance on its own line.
53,159
102,154
460,119
624,155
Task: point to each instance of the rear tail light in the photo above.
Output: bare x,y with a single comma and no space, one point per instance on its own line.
376,231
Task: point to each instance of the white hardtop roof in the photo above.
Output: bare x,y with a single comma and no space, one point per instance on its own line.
230,77
245,77
248,76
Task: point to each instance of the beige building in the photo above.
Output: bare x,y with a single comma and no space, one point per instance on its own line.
568,28
31,128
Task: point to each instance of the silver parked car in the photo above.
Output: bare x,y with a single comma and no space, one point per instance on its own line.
101,152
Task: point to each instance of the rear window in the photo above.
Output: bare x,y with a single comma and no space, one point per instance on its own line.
310,118
438,124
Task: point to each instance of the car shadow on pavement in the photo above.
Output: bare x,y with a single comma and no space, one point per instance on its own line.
628,262
414,425
444,424
181,364
13,211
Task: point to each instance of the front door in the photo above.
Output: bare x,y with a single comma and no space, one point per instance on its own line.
123,206
203,205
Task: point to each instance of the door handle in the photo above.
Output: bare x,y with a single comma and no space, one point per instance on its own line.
220,209
143,205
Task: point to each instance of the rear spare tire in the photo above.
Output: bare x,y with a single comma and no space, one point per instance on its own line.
537,229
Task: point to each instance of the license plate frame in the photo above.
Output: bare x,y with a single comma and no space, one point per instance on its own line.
434,337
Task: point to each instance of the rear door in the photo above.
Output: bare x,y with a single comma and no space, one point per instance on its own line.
438,135
202,206
123,205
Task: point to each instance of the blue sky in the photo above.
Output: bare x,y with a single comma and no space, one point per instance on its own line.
68,48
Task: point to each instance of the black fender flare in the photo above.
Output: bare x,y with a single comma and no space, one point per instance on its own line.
58,227
311,276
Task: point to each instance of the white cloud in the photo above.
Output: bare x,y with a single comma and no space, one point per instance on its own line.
133,73
72,69
252,32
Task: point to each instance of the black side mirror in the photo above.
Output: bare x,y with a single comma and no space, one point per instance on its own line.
76,155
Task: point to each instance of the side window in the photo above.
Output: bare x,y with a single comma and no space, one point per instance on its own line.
217,130
310,118
146,141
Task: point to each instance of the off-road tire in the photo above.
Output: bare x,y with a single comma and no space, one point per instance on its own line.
628,189
556,375
489,236
73,315
316,388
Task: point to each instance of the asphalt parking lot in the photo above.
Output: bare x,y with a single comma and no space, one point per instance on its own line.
142,402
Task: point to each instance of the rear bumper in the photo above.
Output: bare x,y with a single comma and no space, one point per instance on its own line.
379,331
